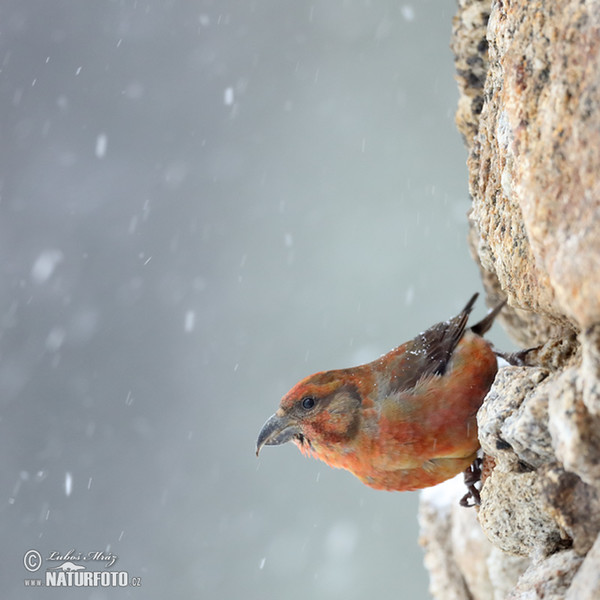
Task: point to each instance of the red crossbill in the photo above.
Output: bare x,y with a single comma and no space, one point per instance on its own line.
402,422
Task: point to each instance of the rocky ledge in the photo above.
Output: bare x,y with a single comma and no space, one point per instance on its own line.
529,111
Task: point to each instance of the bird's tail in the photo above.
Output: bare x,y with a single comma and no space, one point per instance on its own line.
482,326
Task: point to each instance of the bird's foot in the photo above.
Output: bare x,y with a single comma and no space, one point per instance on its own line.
515,359
472,476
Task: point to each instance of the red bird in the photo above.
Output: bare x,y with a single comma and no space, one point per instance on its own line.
402,422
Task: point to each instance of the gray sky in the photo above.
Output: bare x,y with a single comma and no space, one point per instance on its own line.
201,203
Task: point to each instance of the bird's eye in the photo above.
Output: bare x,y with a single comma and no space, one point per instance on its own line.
308,402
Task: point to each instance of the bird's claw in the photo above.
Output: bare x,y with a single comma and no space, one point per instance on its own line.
472,476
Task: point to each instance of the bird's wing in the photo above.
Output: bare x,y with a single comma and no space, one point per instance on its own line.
429,352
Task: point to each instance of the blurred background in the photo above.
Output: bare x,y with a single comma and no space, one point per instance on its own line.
202,202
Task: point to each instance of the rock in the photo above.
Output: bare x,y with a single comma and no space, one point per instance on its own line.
513,430
575,432
590,369
533,174
446,581
529,112
462,563
586,583
469,545
548,579
504,571
513,420
574,505
469,45
513,516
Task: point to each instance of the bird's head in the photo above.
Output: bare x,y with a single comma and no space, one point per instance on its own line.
318,413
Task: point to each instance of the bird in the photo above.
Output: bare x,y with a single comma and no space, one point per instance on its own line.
402,422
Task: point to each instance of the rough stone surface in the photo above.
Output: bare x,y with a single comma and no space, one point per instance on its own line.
574,505
513,516
463,564
512,429
504,571
469,544
548,579
590,369
435,521
575,432
469,45
586,583
534,159
529,111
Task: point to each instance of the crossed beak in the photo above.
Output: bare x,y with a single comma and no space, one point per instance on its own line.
277,430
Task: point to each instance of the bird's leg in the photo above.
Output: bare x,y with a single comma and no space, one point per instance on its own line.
472,476
521,358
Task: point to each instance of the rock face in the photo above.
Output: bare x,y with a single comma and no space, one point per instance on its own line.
529,76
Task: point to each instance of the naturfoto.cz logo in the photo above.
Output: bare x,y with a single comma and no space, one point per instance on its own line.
71,574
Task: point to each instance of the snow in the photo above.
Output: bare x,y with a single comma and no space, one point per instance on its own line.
190,321
68,484
101,145
133,223
502,362
134,90
62,102
408,12
45,264
228,96
341,540
446,494
55,339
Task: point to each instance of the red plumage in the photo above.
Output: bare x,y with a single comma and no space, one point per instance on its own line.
402,422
